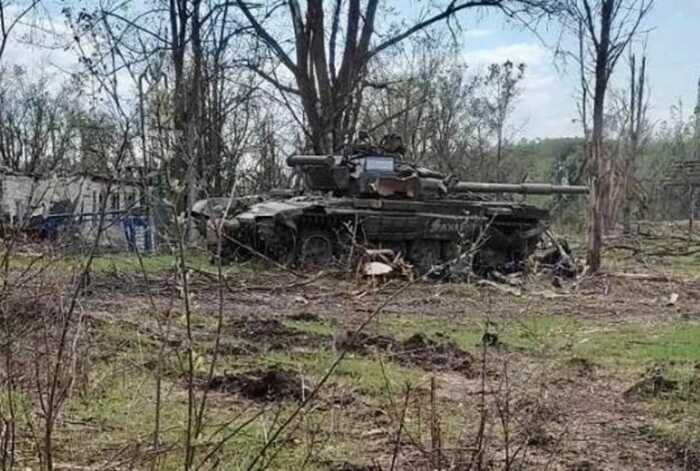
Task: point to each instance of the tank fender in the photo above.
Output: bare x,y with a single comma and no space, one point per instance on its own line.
289,217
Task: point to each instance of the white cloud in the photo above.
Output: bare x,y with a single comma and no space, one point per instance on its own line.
37,43
478,33
530,54
546,107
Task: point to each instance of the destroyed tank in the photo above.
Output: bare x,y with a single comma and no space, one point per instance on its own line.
371,198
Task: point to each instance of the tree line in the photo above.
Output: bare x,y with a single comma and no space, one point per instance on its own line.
216,94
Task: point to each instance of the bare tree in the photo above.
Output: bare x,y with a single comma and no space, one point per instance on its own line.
605,28
8,22
504,80
424,95
330,92
637,127
37,127
451,118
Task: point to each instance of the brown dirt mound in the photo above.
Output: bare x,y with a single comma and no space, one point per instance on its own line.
418,350
273,334
362,342
227,348
654,385
426,353
304,316
271,384
581,366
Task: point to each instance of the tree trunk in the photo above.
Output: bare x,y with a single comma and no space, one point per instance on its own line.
599,199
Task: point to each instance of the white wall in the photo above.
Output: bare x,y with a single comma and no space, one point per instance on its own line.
22,195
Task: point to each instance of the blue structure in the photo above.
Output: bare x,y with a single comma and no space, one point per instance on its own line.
137,233
136,228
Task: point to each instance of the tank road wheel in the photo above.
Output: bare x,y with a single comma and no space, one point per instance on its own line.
424,254
349,246
315,249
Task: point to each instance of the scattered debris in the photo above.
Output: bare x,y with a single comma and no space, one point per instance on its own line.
654,385
377,269
557,258
639,276
672,299
582,366
383,262
505,289
512,279
549,294
271,384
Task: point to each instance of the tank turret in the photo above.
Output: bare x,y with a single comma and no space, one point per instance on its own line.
375,173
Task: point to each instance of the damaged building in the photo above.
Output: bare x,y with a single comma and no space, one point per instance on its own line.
51,204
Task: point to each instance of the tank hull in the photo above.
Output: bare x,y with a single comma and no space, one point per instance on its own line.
321,230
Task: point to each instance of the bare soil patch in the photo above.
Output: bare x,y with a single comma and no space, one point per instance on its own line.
426,353
271,384
419,350
653,385
273,334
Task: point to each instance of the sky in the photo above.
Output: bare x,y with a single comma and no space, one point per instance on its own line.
547,107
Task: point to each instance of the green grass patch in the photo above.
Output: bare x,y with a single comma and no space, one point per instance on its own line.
535,333
313,327
467,334
635,344
121,405
370,375
677,422
129,262
626,344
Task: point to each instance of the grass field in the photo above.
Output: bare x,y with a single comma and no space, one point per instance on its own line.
600,373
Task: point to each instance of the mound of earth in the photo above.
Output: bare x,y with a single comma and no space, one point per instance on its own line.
581,366
362,342
654,385
270,384
418,350
424,352
272,334
304,316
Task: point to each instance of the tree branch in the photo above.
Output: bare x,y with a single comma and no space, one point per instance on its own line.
267,38
5,30
451,9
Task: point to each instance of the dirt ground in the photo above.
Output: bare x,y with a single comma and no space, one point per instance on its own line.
446,375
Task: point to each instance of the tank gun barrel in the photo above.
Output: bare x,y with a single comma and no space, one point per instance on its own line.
524,188
324,160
